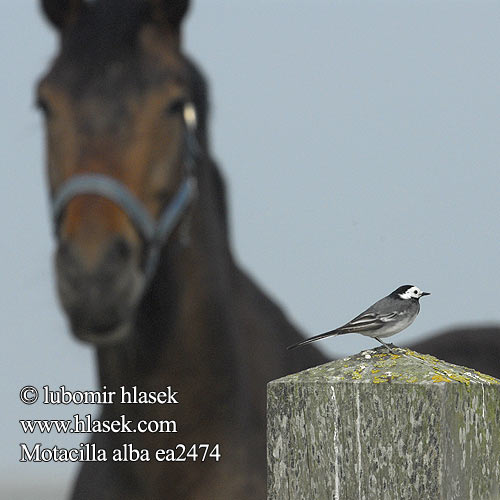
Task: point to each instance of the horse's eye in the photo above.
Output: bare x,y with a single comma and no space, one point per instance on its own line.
176,106
43,106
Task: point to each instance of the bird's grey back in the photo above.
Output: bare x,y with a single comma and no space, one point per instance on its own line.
388,305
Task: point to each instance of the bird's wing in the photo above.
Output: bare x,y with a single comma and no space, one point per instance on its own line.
368,321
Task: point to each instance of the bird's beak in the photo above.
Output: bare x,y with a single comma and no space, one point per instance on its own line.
425,293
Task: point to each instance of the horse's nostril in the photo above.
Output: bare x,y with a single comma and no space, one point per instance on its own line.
63,249
121,249
65,255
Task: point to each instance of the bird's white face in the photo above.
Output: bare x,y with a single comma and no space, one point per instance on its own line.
412,293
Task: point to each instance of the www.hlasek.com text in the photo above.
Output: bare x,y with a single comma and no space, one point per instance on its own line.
86,424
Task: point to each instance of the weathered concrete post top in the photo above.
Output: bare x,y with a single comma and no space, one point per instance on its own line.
383,425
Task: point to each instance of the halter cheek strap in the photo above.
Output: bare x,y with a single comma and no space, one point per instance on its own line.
154,232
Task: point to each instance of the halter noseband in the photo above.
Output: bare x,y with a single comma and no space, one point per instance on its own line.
154,232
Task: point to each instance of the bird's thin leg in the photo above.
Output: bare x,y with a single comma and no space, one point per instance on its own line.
384,344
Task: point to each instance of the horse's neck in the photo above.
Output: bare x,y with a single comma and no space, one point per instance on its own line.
184,332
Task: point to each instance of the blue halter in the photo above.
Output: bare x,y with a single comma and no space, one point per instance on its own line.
154,232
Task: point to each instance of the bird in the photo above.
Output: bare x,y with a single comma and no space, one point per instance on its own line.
385,318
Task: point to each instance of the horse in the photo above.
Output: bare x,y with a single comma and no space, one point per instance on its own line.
143,263
144,268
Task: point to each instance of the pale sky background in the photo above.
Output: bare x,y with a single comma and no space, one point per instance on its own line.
360,142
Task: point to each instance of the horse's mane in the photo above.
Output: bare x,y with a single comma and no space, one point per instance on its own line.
199,91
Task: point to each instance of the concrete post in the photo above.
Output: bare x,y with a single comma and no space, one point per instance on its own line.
382,426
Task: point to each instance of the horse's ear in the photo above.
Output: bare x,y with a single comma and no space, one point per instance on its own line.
62,13
171,12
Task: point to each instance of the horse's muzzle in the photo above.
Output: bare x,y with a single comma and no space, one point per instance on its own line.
100,300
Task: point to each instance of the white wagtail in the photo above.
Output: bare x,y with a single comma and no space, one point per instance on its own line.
386,317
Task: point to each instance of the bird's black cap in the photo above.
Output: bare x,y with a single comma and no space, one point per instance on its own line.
400,290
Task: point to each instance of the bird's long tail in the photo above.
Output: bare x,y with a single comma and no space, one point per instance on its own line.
331,333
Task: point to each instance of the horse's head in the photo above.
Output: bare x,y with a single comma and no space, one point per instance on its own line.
118,148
